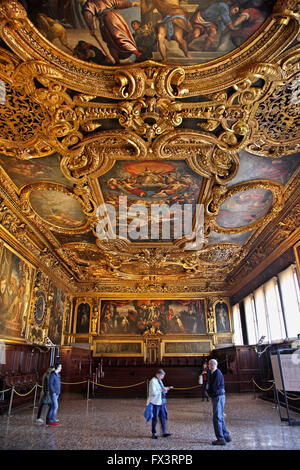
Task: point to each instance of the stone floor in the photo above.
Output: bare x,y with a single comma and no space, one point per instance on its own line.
118,424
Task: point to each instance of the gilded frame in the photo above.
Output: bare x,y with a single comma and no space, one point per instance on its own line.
222,301
78,303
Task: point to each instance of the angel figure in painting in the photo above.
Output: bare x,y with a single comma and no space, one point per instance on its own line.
114,29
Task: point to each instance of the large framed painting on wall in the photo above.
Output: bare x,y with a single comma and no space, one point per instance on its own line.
57,317
222,316
118,348
83,315
137,316
16,278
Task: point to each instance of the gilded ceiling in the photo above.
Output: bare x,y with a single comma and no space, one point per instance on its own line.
109,101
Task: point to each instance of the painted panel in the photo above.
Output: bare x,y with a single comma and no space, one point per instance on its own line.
107,32
117,348
16,277
138,316
186,348
244,208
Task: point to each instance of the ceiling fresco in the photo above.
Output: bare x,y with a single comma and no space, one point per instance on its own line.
189,105
149,184
108,32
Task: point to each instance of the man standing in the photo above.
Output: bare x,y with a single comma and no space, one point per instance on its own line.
54,388
157,397
217,18
216,391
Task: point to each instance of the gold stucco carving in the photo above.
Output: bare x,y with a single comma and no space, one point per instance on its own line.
94,116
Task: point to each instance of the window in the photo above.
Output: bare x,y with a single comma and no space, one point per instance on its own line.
237,327
250,319
261,314
274,312
289,289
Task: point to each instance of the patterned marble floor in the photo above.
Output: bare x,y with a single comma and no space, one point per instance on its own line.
118,424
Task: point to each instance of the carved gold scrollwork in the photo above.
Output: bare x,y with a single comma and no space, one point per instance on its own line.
130,84
276,125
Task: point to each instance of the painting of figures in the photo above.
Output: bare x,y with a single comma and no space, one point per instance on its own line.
16,277
244,208
109,32
22,172
222,317
57,317
149,184
254,167
139,316
83,318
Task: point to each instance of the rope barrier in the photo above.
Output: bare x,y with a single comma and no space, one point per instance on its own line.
126,386
24,394
74,383
289,398
187,388
263,389
3,391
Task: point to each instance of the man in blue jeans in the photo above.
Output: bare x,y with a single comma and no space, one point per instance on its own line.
54,388
216,391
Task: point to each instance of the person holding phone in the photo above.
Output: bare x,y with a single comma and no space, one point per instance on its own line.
157,397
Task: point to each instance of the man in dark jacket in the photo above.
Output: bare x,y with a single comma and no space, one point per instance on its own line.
216,391
54,388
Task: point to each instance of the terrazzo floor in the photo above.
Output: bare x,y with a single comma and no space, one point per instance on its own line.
118,424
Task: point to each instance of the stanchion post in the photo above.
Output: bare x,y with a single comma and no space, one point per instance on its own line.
11,400
88,390
35,394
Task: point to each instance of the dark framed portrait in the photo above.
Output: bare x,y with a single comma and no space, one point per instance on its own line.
83,311
222,317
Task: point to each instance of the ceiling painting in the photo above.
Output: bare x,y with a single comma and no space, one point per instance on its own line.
22,172
57,209
150,184
254,167
244,208
110,32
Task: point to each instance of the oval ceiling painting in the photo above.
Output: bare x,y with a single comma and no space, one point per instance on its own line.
57,208
109,32
244,208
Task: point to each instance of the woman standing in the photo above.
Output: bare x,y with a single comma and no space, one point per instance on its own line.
203,382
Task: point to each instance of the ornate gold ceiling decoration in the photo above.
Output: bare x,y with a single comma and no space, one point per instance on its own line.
97,116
